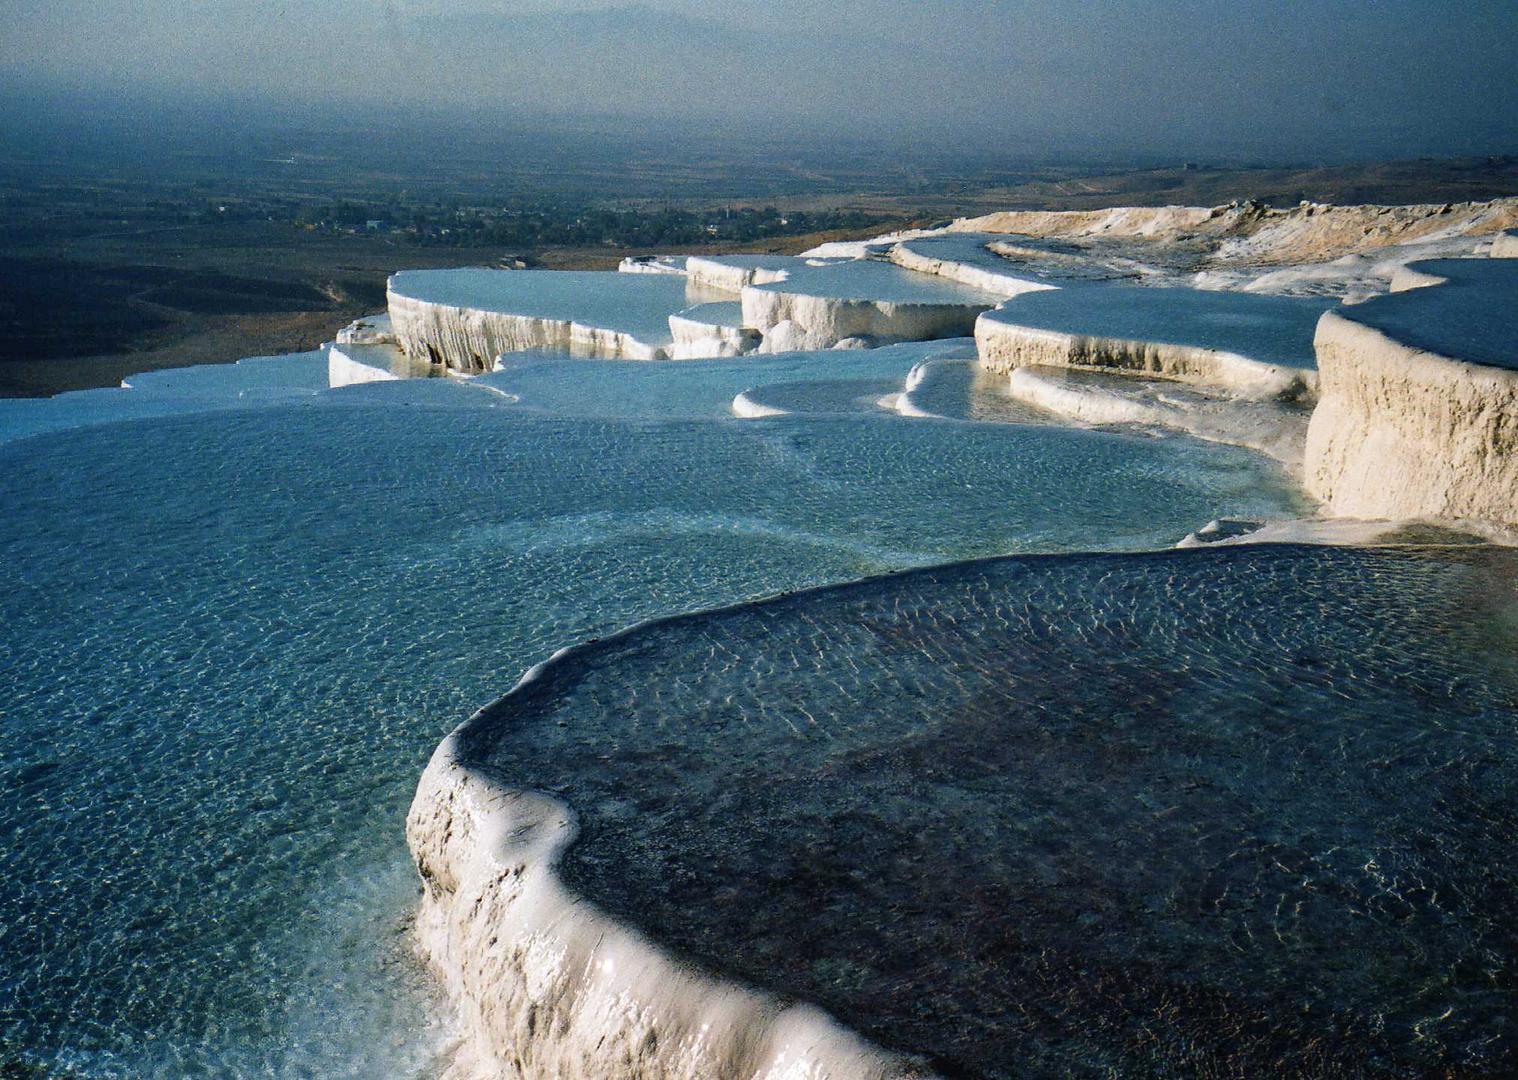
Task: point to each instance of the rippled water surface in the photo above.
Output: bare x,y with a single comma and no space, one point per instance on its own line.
235,630
1241,812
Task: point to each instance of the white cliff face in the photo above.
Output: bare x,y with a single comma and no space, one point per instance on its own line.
1418,415
1505,245
469,340
794,322
711,330
466,318
547,986
819,307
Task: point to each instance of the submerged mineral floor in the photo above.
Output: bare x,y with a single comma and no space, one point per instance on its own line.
1054,801
1239,812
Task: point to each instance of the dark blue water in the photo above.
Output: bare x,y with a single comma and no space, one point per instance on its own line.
1242,812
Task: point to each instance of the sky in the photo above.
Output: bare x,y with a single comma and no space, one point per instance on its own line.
1288,80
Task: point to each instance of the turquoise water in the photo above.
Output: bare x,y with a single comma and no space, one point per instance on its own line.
1239,812
241,610
716,313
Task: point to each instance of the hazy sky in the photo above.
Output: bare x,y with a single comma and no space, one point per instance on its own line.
1293,76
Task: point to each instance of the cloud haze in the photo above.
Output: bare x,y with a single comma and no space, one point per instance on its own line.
1249,77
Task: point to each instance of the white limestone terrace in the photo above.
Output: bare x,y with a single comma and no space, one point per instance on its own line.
368,330
1253,346
712,329
1015,264
652,264
1419,410
860,302
351,364
731,273
1257,347
965,258
1354,277
1474,319
876,246
1275,428
1251,233
466,318
1505,245
1310,249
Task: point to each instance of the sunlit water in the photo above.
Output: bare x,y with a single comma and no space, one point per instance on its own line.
239,617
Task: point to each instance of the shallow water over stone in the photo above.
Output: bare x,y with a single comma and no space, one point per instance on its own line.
1241,812
233,636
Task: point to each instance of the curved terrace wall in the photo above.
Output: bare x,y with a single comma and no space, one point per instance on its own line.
469,339
547,985
804,321
910,256
1005,346
1403,432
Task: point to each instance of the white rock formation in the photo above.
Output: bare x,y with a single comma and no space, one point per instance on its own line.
466,318
1505,245
1305,250
745,407
1249,232
816,307
652,264
730,273
1008,339
1418,416
546,985
965,258
353,364
711,330
1413,277
369,330
864,249
1273,428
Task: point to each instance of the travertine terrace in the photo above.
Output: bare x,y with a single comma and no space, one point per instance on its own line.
1419,409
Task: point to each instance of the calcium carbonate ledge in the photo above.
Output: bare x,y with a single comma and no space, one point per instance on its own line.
1251,346
1418,416
466,318
860,302
965,258
547,985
